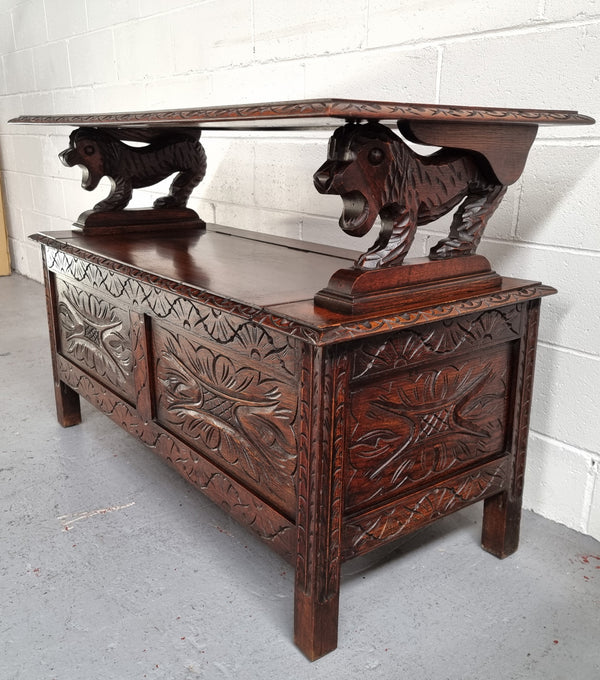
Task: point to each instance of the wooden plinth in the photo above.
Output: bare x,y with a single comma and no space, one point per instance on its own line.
138,220
416,282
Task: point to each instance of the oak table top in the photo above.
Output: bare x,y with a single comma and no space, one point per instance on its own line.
311,113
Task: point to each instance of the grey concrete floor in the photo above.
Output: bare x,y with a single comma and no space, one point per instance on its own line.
112,567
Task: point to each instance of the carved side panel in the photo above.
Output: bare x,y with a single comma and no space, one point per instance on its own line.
426,422
377,527
390,352
233,402
94,333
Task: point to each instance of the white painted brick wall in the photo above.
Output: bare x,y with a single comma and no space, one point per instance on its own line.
86,55
396,23
399,74
551,464
593,512
92,58
285,30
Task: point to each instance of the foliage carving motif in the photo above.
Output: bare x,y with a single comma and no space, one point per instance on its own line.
425,423
239,415
419,509
95,334
392,352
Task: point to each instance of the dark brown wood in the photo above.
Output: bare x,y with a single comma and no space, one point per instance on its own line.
102,153
504,147
105,222
418,282
502,513
425,422
311,112
327,429
68,410
320,498
141,337
326,434
228,397
378,175
374,528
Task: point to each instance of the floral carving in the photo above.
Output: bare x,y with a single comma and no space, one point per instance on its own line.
424,423
95,334
476,330
239,415
419,509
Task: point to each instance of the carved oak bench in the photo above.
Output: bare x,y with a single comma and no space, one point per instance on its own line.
330,406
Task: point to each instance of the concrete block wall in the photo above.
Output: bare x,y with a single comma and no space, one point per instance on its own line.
79,56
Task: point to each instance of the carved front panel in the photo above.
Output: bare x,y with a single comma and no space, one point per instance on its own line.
425,422
94,333
269,525
236,402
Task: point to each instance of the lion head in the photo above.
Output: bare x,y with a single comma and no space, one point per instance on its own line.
360,165
92,150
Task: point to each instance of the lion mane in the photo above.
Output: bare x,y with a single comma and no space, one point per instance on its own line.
377,174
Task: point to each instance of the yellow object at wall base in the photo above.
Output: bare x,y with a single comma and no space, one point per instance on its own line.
4,254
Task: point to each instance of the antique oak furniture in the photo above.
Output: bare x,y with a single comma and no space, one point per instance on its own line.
330,406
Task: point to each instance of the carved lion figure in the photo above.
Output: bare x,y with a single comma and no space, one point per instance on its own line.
101,153
377,174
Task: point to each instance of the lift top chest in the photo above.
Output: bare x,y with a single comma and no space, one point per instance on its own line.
330,406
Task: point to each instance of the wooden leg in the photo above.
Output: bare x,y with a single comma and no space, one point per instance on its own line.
501,525
502,513
68,411
320,501
315,623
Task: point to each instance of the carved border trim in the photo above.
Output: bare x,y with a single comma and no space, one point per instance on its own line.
320,472
166,299
386,354
418,509
352,329
314,108
386,324
523,399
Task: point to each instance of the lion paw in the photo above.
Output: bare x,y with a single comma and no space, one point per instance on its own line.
168,202
111,205
448,248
